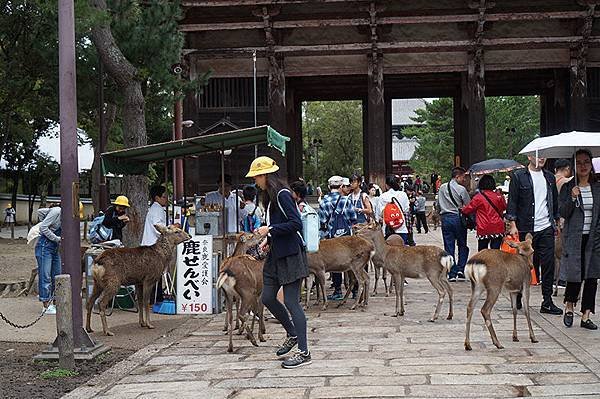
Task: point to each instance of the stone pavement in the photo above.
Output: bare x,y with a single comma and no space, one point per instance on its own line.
367,354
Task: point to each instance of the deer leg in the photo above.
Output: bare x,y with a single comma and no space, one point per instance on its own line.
437,284
365,292
393,280
147,289
486,311
237,311
227,306
90,305
107,295
388,288
139,289
526,309
244,309
513,306
261,321
360,279
376,268
399,285
229,322
476,290
322,281
348,291
448,289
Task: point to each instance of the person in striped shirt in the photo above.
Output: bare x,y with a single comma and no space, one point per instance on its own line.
579,205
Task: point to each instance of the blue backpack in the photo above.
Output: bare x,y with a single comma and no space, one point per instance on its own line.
98,232
340,225
251,222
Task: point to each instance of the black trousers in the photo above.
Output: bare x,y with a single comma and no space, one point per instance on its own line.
543,260
493,243
588,298
422,220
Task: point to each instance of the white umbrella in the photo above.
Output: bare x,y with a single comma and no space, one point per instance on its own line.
564,145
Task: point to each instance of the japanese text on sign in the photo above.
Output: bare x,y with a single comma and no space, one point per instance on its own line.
194,276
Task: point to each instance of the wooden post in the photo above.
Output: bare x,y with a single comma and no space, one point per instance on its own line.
64,325
85,229
375,157
12,231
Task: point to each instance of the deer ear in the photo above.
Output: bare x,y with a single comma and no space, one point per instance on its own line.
529,237
512,244
160,228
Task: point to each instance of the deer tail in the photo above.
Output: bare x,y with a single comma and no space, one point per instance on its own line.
226,280
98,272
447,262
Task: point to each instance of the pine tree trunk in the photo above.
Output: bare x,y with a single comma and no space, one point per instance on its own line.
134,123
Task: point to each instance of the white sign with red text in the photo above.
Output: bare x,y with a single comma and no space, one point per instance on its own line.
194,276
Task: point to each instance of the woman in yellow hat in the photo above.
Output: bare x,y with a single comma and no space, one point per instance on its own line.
286,263
115,217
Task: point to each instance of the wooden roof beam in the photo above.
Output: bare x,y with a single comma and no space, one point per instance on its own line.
230,3
407,20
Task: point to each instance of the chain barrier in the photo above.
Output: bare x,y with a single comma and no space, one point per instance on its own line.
10,323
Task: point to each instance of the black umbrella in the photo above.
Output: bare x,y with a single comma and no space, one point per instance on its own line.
493,166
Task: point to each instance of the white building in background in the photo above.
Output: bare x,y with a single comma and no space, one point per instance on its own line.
403,148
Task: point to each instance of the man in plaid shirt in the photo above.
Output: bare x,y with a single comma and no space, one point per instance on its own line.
336,224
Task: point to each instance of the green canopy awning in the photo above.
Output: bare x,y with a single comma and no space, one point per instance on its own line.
134,161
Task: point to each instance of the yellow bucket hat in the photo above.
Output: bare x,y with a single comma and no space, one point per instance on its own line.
262,166
122,200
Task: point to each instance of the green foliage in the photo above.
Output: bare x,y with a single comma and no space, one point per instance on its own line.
521,113
436,138
339,124
58,373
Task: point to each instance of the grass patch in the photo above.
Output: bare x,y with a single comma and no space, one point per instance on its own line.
58,373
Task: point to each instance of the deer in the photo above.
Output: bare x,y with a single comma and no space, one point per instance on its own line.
493,269
245,242
142,266
343,254
241,278
377,262
411,262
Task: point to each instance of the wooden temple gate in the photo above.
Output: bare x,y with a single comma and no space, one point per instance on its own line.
376,51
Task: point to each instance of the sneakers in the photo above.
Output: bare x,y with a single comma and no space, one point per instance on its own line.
336,296
584,324
298,360
51,309
452,279
287,346
551,309
460,276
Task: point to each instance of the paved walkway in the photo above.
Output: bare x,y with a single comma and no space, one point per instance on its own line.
367,354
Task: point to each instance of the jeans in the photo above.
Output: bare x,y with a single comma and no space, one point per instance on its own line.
453,233
543,257
296,327
48,261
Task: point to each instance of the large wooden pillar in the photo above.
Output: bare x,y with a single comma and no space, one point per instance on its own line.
577,93
375,152
277,104
469,131
293,130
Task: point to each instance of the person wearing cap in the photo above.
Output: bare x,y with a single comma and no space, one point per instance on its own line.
286,264
345,188
47,254
216,198
336,215
115,217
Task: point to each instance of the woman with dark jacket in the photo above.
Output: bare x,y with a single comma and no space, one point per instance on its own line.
579,205
115,217
286,265
489,207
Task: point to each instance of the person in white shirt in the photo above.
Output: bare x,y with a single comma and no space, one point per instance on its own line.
233,210
156,215
392,184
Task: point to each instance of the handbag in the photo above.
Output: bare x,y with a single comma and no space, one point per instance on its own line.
468,221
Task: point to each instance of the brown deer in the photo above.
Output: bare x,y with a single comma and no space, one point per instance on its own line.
411,262
142,266
492,269
342,254
241,278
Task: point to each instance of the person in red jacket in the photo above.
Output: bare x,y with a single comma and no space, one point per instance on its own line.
489,207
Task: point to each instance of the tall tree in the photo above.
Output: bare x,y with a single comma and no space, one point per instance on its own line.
339,125
436,138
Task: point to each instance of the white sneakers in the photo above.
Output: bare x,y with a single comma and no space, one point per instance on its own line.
51,309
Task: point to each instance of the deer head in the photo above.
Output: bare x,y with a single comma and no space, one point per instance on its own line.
524,248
